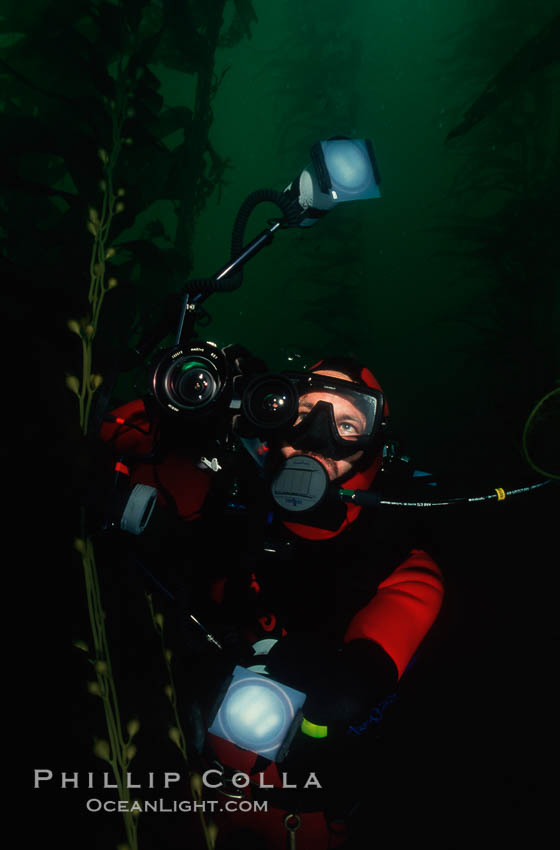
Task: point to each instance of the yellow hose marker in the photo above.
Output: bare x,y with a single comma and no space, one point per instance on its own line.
501,494
313,730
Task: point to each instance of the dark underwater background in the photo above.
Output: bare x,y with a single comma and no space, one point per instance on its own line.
446,287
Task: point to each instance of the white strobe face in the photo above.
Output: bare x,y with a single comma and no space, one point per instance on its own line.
256,713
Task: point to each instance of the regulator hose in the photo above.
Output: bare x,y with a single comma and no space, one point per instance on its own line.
371,500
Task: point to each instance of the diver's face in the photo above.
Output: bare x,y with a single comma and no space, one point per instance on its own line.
350,422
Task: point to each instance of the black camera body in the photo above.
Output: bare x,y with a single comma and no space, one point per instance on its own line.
197,382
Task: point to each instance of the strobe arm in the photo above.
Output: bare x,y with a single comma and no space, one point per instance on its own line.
230,276
226,280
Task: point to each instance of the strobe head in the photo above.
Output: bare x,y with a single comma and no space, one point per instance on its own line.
191,380
341,169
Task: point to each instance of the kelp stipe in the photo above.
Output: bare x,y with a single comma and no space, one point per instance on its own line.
118,751
176,733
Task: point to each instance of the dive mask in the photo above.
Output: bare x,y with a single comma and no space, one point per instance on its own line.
315,413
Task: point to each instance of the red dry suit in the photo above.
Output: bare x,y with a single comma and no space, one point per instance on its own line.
392,609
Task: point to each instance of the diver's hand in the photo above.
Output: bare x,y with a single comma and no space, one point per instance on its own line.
341,685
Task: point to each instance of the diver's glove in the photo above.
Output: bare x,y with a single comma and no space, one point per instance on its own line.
342,685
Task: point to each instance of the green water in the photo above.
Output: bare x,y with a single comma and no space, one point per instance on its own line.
377,278
462,332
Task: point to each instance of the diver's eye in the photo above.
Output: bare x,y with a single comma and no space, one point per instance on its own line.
349,429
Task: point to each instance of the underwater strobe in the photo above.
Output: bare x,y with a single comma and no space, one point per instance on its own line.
341,169
257,714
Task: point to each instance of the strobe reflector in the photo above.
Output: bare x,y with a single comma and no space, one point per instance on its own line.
258,714
346,169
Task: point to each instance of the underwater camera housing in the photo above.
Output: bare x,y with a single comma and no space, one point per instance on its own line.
198,380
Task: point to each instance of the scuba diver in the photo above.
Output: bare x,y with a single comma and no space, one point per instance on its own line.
327,605
255,503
